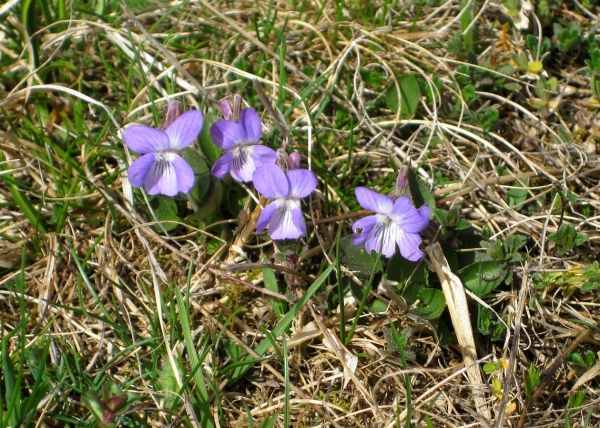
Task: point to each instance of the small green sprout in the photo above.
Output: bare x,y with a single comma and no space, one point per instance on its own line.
532,378
567,238
106,408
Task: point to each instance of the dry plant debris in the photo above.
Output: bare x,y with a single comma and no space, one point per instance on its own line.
120,308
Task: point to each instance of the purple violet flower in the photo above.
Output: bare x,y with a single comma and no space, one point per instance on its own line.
160,169
283,215
243,155
394,222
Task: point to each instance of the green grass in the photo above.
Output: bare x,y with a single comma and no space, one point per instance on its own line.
108,311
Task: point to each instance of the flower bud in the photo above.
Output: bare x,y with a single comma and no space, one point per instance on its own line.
296,159
174,110
225,108
237,107
401,188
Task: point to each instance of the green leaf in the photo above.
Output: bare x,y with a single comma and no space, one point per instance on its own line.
431,303
356,258
409,96
521,60
576,358
580,239
235,199
518,194
490,368
567,238
377,306
279,307
512,86
433,92
201,173
469,95
590,358
399,269
165,209
489,118
483,277
420,191
462,224
212,204
208,147
443,333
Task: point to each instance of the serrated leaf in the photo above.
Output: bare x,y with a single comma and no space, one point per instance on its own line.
483,277
489,117
431,303
208,147
411,292
410,95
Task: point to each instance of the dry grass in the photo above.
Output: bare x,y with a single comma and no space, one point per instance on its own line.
90,275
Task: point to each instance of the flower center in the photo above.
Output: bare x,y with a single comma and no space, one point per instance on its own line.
240,157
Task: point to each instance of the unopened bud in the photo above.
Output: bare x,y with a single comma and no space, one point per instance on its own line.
237,107
401,188
295,158
225,109
174,110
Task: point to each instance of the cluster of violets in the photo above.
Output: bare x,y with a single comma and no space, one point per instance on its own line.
162,170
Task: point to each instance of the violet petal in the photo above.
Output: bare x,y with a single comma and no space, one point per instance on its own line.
225,108
250,122
162,178
243,165
382,239
226,134
271,182
302,183
184,173
296,159
261,155
366,224
409,246
222,165
185,129
297,217
140,168
405,215
265,217
374,201
144,139
282,225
